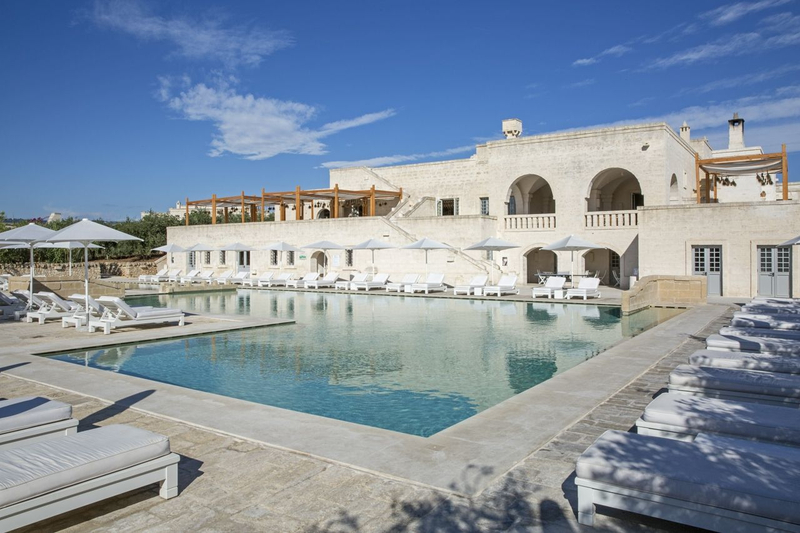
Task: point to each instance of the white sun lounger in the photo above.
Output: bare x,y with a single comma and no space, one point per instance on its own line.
25,296
506,285
345,284
433,283
256,282
587,288
174,275
692,483
788,334
53,307
683,417
328,281
476,282
152,278
279,281
78,317
118,314
8,300
223,278
32,419
49,478
207,276
731,384
408,279
553,284
190,277
783,364
299,283
775,302
239,278
378,282
736,343
765,321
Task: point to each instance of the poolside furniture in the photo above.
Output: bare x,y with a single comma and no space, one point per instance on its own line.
683,417
408,279
542,277
223,278
25,296
263,278
783,364
788,334
475,283
554,283
737,343
587,288
345,284
700,484
53,307
769,310
766,321
327,281
617,278
432,283
239,278
32,419
174,275
45,479
295,283
118,314
78,316
153,278
8,300
207,276
506,285
776,302
378,282
734,384
279,281
190,277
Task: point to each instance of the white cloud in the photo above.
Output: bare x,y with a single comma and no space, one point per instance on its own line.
204,38
769,137
733,12
615,51
741,80
395,159
642,101
255,127
582,83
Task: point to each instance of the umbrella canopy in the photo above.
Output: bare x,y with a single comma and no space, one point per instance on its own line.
169,248
282,247
28,236
571,244
201,248
85,232
426,244
236,247
324,246
791,242
372,245
492,244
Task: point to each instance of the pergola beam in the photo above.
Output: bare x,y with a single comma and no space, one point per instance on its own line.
699,164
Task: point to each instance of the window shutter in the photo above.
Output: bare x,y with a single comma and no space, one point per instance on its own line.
455,206
438,208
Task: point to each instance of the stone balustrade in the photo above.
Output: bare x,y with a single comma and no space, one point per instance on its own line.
611,219
529,222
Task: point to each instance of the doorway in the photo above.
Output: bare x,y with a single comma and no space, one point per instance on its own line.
775,271
707,261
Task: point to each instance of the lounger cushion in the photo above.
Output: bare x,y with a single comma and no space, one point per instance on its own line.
157,313
762,332
31,411
766,321
726,379
735,480
753,344
784,364
763,448
42,467
749,420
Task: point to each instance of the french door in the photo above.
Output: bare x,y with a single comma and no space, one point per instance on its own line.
775,271
707,261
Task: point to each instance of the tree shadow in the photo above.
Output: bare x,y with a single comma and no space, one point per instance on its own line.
12,367
120,406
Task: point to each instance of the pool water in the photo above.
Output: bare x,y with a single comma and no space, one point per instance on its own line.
413,365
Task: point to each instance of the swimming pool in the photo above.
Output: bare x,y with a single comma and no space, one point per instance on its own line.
413,365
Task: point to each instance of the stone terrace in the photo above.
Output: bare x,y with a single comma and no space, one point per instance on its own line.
228,484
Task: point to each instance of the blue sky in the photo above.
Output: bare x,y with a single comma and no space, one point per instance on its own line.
111,108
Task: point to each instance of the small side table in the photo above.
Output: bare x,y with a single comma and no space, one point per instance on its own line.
408,289
558,294
478,291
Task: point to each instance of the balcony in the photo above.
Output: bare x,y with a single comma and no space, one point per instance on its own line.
529,222
611,219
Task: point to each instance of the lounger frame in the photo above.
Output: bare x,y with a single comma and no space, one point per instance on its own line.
163,470
592,493
39,433
783,401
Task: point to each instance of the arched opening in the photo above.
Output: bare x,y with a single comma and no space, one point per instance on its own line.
324,213
615,189
540,262
674,192
318,262
530,195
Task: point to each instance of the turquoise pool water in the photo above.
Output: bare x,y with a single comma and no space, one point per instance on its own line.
414,365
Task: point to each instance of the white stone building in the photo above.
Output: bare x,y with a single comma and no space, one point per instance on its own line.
640,192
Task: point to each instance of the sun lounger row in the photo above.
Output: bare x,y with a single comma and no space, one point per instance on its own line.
721,449
196,276
48,468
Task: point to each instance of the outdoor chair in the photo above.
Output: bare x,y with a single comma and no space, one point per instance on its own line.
328,281
378,282
475,283
541,276
782,364
278,281
788,334
587,288
190,277
742,343
766,321
53,307
223,278
32,419
119,314
297,283
432,283
554,283
617,278
263,278
45,479
174,275
506,285
735,384
151,278
78,317
345,284
408,279
239,278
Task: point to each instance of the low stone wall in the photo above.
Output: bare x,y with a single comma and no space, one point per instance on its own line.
97,269
663,291
66,285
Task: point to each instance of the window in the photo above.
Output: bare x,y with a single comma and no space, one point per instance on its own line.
244,259
614,260
512,206
348,258
485,206
637,200
207,258
222,258
191,259
447,207
784,259
273,257
290,258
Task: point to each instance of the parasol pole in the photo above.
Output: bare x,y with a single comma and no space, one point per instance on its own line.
86,280
30,300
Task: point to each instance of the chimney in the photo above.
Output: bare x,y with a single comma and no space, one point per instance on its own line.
736,133
686,132
512,128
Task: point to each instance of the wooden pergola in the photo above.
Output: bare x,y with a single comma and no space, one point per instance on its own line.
297,198
739,165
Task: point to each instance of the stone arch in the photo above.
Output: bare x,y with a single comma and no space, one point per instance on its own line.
530,194
318,262
602,258
614,189
536,260
324,213
674,190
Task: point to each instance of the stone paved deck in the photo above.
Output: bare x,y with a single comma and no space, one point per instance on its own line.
229,484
